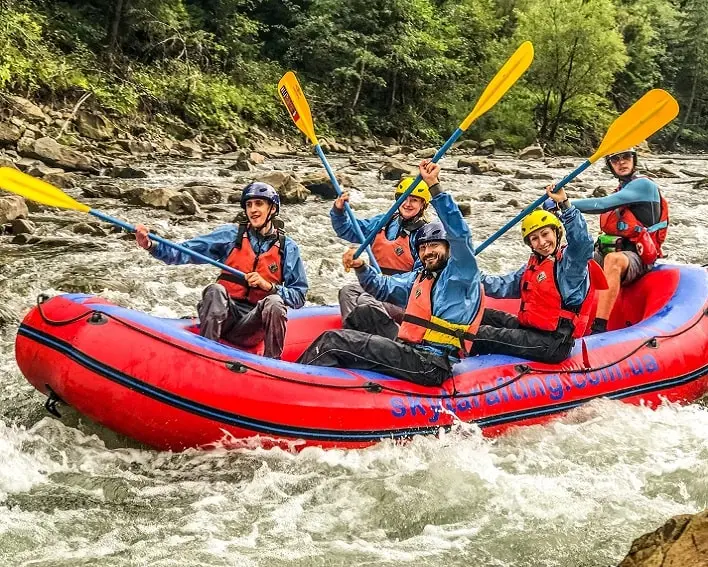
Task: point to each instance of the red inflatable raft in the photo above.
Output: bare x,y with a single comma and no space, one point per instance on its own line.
158,382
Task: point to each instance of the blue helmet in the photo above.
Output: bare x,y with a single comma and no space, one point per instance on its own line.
259,190
550,205
431,232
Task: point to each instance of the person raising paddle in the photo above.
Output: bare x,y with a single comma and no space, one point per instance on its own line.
245,312
394,251
444,303
555,286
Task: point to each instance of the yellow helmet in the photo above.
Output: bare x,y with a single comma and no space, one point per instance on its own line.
421,190
539,219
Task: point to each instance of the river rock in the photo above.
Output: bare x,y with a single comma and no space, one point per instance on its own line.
6,161
74,244
394,169
151,196
426,153
524,174
465,208
127,173
189,148
242,165
681,542
470,145
26,109
92,229
61,180
487,198
204,195
512,203
486,148
511,187
12,207
136,147
477,166
531,152
319,183
9,134
256,158
288,188
388,141
600,192
183,204
22,226
94,126
38,169
7,315
104,190
53,153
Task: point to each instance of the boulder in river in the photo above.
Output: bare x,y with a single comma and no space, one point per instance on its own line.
286,185
394,169
681,542
53,153
204,194
94,126
9,134
12,207
319,183
183,204
151,196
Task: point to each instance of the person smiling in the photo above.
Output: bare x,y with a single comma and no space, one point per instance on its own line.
555,288
443,302
394,251
245,312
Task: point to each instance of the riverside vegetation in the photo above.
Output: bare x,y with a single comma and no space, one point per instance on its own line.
407,69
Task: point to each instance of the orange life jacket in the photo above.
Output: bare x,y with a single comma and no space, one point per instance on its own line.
419,323
541,302
393,256
269,265
646,239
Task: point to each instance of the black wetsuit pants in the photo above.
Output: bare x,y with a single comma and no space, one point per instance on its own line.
347,348
501,333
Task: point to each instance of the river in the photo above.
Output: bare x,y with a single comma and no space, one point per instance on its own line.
572,493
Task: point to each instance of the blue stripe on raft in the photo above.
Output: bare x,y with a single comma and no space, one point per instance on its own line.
258,426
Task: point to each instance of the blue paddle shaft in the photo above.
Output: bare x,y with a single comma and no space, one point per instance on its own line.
537,203
347,208
131,228
387,217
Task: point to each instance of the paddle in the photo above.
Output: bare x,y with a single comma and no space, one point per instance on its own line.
42,192
515,66
645,117
294,100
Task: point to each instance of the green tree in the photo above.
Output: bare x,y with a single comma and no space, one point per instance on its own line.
692,78
648,28
578,52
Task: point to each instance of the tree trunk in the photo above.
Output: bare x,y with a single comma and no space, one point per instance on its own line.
362,66
393,92
115,25
694,86
563,94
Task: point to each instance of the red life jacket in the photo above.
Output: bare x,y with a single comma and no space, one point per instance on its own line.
646,239
393,256
542,304
269,265
419,323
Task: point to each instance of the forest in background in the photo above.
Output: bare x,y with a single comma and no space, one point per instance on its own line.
407,69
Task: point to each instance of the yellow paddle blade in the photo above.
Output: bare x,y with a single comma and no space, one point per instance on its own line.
294,100
37,190
645,117
515,66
